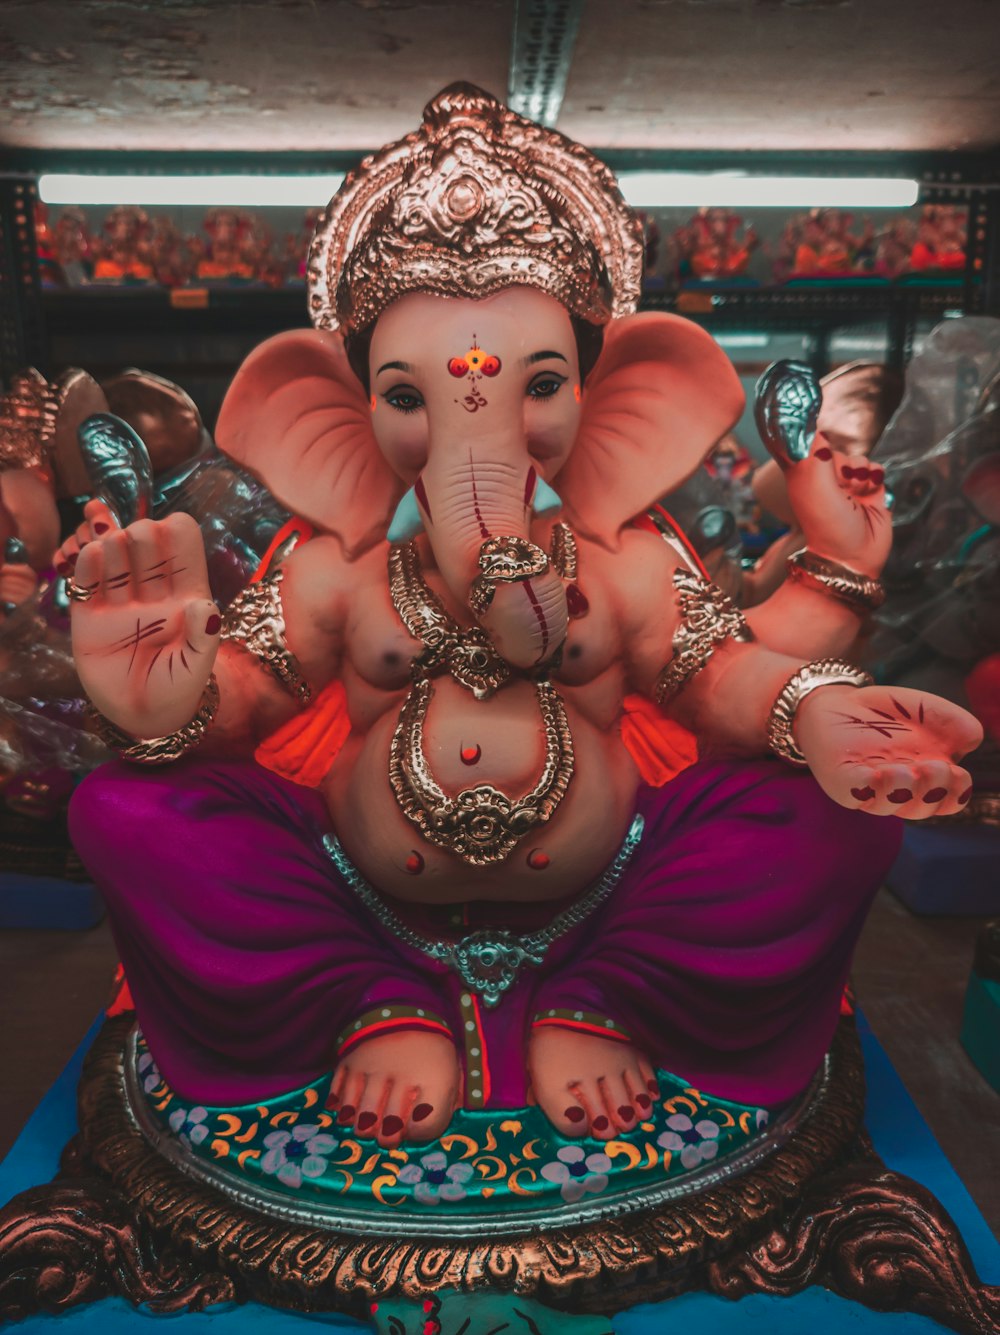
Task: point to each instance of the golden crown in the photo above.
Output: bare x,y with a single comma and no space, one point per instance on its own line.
476,200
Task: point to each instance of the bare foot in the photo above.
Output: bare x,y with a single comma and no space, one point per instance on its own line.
397,1087
589,1086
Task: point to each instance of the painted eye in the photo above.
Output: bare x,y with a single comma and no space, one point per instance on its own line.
545,386
491,366
404,400
458,366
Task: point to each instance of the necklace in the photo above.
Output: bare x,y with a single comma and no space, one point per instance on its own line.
480,825
488,961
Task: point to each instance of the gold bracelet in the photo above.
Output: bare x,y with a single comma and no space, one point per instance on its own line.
708,618
809,678
255,620
860,592
161,750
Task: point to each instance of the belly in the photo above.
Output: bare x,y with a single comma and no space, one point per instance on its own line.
498,744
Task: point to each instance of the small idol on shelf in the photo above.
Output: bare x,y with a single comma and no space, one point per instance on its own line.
296,246
716,243
731,467
71,243
893,246
170,257
941,238
259,252
822,244
226,256
48,263
122,254
651,240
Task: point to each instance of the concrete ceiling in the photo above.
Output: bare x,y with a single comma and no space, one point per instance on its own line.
273,75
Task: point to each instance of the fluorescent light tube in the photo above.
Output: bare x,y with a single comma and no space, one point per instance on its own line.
653,189
239,191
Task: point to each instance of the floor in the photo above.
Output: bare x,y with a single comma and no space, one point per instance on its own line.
910,976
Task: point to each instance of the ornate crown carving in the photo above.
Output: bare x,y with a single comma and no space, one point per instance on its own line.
28,413
474,201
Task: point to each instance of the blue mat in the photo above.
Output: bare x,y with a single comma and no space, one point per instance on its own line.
900,1134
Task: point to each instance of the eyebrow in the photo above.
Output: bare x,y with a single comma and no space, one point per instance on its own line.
542,356
395,366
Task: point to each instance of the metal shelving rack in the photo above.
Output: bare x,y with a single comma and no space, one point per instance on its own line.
817,309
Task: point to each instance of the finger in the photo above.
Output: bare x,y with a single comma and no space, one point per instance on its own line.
649,1076
202,626
89,574
932,786
863,783
959,791
895,789
182,538
371,1106
816,479
150,572
66,557
117,584
100,518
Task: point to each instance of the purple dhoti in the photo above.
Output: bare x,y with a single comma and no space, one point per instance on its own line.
723,951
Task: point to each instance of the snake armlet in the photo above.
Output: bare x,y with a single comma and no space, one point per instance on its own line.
708,619
255,621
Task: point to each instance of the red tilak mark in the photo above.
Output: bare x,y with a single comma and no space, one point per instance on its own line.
471,755
537,860
475,501
863,794
529,486
900,708
213,625
936,795
491,366
900,795
422,1111
574,1114
540,614
421,495
414,863
576,602
823,453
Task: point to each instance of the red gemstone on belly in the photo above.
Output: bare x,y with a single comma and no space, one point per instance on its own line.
537,860
471,755
576,602
414,863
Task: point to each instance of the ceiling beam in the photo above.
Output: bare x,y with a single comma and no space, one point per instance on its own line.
540,57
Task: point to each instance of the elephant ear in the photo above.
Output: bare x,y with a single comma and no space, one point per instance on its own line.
661,395
297,418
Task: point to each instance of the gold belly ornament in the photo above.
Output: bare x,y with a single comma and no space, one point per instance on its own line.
480,825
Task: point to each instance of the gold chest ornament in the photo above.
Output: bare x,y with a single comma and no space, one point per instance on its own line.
481,825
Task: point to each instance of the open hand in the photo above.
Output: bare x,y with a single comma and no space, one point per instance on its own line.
888,750
145,641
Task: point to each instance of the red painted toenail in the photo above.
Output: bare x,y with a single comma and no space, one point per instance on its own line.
213,625
936,795
421,1112
391,1125
824,454
964,797
574,1114
863,794
101,527
626,1113
847,470
346,1113
899,796
643,1100
366,1120
600,1124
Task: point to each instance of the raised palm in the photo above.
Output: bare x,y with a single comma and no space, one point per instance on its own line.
145,641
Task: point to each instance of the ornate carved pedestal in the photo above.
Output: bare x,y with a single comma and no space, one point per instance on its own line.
815,1206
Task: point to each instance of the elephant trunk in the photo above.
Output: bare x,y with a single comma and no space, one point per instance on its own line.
467,503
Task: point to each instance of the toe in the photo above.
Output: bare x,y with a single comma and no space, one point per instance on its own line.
617,1101
371,1106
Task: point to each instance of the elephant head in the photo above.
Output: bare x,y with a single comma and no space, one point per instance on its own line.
478,408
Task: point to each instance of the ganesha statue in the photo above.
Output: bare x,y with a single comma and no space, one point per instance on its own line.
560,840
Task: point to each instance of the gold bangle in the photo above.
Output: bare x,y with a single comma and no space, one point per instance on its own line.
809,678
708,618
860,592
255,619
504,560
161,750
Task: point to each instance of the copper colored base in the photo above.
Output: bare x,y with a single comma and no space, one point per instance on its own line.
120,1220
